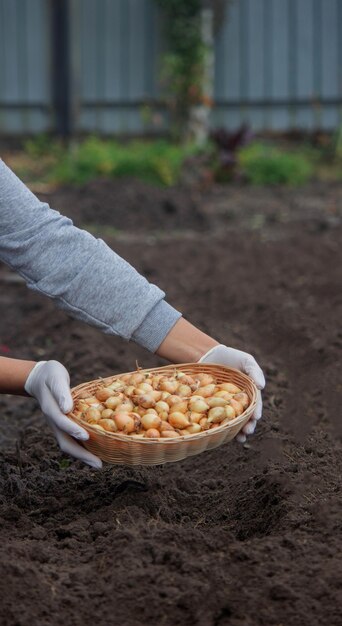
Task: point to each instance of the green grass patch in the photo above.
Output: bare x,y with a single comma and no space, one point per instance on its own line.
157,162
263,164
45,162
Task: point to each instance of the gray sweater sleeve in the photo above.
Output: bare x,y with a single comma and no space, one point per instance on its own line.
79,272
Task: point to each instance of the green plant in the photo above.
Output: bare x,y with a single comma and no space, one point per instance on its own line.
156,162
262,164
37,146
64,464
42,145
182,70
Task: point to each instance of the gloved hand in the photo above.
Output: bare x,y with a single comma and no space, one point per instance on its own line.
49,383
245,363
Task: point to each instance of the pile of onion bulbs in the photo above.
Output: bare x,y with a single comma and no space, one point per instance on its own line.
154,405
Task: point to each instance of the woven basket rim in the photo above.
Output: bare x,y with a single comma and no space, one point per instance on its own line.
161,441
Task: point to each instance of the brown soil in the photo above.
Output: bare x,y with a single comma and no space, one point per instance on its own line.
242,535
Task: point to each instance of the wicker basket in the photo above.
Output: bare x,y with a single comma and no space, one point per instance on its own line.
124,450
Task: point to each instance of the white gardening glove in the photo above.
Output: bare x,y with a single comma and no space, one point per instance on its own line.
49,383
221,355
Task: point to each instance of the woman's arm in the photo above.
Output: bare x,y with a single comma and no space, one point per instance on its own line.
185,343
49,383
93,284
79,272
13,375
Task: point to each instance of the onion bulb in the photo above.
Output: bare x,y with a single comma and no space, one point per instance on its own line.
129,391
136,378
107,414
93,414
91,400
172,399
108,425
204,379
185,379
144,388
145,400
168,384
230,413
204,423
104,393
152,433
114,401
125,377
156,395
124,422
162,407
166,426
230,387
126,405
117,384
178,420
214,401
150,410
184,391
194,417
194,429
180,407
206,391
169,433
140,410
83,395
165,395
223,394
156,380
149,420
237,406
183,431
195,397
82,406
199,406
242,397
217,414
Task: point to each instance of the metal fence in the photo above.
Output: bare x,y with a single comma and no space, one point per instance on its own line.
278,65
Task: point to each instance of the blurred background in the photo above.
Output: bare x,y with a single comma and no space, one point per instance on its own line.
80,66
203,74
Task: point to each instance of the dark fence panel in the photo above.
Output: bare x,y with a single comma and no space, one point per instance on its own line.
278,66
25,66
120,50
